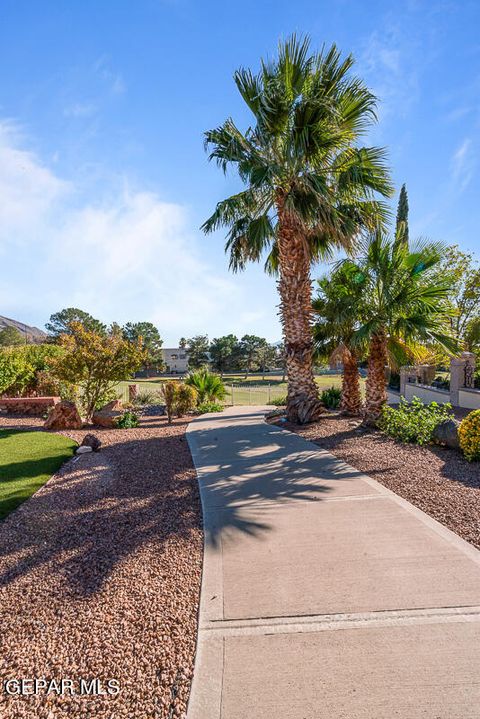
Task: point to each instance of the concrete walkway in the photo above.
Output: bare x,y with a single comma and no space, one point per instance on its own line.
324,595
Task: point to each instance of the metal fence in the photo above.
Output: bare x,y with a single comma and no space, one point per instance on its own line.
246,393
253,394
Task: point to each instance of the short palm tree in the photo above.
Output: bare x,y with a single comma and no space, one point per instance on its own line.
209,386
336,317
403,303
309,187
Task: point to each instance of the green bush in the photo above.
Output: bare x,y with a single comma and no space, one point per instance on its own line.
21,368
128,420
206,407
209,386
469,435
279,401
413,421
331,397
186,400
179,398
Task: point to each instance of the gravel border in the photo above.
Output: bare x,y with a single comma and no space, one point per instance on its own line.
437,480
100,576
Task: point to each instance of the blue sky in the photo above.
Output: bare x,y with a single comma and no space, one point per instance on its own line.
103,177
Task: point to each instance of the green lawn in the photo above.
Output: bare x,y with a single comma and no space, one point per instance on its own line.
27,460
252,390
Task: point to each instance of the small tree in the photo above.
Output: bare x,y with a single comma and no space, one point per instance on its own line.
11,337
96,362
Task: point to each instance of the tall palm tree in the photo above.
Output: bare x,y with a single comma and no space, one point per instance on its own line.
404,302
309,187
336,318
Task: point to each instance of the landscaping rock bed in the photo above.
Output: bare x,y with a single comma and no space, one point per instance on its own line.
100,577
436,479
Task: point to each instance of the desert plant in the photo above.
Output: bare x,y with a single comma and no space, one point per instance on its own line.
128,420
179,398
331,397
209,386
469,435
169,394
186,399
309,186
206,407
147,396
413,421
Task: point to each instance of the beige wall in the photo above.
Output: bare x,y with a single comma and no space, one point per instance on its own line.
470,399
426,394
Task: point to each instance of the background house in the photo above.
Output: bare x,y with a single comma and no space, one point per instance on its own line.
176,360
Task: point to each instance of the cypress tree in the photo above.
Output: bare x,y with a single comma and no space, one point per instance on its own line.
401,230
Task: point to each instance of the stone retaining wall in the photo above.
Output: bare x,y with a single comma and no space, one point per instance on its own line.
35,406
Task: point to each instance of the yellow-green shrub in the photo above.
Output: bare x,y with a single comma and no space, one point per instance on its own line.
469,435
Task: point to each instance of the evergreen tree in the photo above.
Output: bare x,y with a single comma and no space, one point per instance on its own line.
401,231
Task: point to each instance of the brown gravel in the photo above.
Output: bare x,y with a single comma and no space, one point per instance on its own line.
437,480
100,577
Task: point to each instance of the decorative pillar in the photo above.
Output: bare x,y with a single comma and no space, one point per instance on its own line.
408,375
132,392
462,370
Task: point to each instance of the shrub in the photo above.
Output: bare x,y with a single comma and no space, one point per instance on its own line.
209,386
179,398
169,393
128,420
331,397
469,435
279,401
187,398
147,396
49,386
206,407
415,421
20,367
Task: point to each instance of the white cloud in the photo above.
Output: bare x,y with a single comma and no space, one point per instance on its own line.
80,109
463,165
113,79
126,256
28,190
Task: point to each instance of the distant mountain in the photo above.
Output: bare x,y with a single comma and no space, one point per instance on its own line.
31,334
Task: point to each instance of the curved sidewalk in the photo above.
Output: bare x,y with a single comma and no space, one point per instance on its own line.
324,595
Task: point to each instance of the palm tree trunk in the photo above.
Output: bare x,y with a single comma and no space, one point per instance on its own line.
351,397
294,286
376,389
